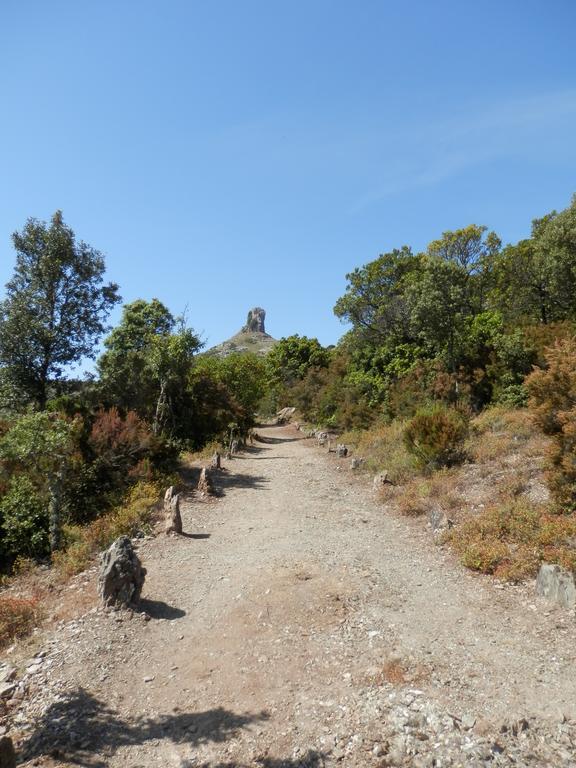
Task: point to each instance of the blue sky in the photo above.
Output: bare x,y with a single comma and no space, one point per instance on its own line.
226,154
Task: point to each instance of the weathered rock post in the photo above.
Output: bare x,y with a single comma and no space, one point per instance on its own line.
172,515
205,484
557,585
121,575
216,462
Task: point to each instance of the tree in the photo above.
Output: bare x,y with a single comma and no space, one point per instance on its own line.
41,444
55,308
290,359
450,290
535,280
243,374
374,300
147,363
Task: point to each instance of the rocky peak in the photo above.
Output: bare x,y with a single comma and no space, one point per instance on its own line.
255,321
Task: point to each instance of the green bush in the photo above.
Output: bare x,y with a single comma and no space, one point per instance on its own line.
435,436
24,518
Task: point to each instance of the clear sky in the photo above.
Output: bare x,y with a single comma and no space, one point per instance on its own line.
224,154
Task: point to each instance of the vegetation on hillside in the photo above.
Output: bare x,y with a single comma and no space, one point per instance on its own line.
438,342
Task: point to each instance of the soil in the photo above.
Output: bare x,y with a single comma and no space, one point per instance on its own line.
298,622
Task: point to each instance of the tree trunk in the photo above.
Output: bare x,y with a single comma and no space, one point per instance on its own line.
55,510
159,416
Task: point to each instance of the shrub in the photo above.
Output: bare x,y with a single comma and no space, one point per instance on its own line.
435,436
135,514
24,517
553,402
17,618
412,501
511,540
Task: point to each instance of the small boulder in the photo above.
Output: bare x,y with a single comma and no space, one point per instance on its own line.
7,753
557,585
205,484
121,575
356,463
342,451
380,480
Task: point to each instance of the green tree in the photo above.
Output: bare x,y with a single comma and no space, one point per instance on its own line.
374,302
146,365
243,374
535,280
450,290
55,308
40,445
290,359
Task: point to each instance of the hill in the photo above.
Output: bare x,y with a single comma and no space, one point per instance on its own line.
252,337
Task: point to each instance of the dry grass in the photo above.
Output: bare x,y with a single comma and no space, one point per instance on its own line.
18,617
499,504
383,448
412,501
498,431
204,454
512,538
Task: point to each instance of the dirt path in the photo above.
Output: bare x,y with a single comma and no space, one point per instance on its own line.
300,624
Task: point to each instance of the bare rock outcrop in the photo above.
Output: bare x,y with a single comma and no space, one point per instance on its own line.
172,516
205,483
255,321
121,575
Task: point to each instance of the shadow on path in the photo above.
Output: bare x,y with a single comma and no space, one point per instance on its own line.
84,731
157,609
226,480
311,759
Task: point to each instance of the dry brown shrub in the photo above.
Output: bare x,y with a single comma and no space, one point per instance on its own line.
18,617
499,431
412,500
512,539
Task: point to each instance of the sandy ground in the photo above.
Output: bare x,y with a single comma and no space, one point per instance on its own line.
300,623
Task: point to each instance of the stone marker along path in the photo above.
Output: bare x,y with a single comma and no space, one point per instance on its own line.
297,622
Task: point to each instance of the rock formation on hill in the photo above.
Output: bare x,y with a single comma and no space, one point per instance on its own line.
251,338
255,321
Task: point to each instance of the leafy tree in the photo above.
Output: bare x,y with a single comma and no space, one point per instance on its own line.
243,374
55,308
146,365
374,302
535,280
450,290
290,359
40,445
24,519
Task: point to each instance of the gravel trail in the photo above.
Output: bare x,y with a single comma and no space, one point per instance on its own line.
299,623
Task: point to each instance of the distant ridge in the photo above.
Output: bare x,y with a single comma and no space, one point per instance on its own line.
251,338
